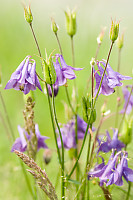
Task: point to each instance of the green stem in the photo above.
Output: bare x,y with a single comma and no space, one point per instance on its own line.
125,109
68,98
72,45
62,148
90,115
58,41
7,117
117,108
129,190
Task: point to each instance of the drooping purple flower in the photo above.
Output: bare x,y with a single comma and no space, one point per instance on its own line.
126,95
109,144
55,88
68,133
111,79
20,143
63,71
24,78
113,172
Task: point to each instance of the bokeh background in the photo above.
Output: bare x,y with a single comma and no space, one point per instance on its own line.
16,42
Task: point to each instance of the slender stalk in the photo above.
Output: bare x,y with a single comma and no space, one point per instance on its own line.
50,108
129,190
103,72
91,114
68,98
117,108
72,45
35,39
125,109
62,147
7,117
4,125
58,41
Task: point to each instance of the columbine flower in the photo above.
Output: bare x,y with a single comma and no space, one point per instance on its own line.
63,71
126,94
109,144
113,172
111,79
24,78
21,145
55,89
68,133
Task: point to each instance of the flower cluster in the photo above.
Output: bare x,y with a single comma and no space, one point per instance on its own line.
20,143
113,172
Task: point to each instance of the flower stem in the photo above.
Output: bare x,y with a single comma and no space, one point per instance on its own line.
129,190
103,72
125,109
72,45
62,148
50,108
58,41
91,114
7,117
97,51
117,108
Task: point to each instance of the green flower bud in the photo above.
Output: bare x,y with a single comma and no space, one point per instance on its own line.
127,130
114,30
54,26
92,62
71,22
120,41
49,70
28,15
87,110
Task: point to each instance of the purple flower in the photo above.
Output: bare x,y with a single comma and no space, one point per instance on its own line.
24,78
111,79
20,143
63,71
126,94
68,133
106,146
113,172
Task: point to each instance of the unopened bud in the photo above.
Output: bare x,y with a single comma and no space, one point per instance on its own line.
101,35
28,15
92,62
114,30
49,70
126,135
47,156
87,110
54,26
120,41
71,22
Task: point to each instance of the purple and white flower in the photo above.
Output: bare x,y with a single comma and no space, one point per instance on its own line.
24,78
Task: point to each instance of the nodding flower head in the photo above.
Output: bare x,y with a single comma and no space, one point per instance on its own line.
24,78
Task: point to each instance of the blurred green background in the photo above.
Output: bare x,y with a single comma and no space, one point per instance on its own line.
16,42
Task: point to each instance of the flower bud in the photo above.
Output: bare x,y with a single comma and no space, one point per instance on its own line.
92,62
71,22
47,156
101,35
120,41
114,30
28,15
54,26
126,135
49,70
87,110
